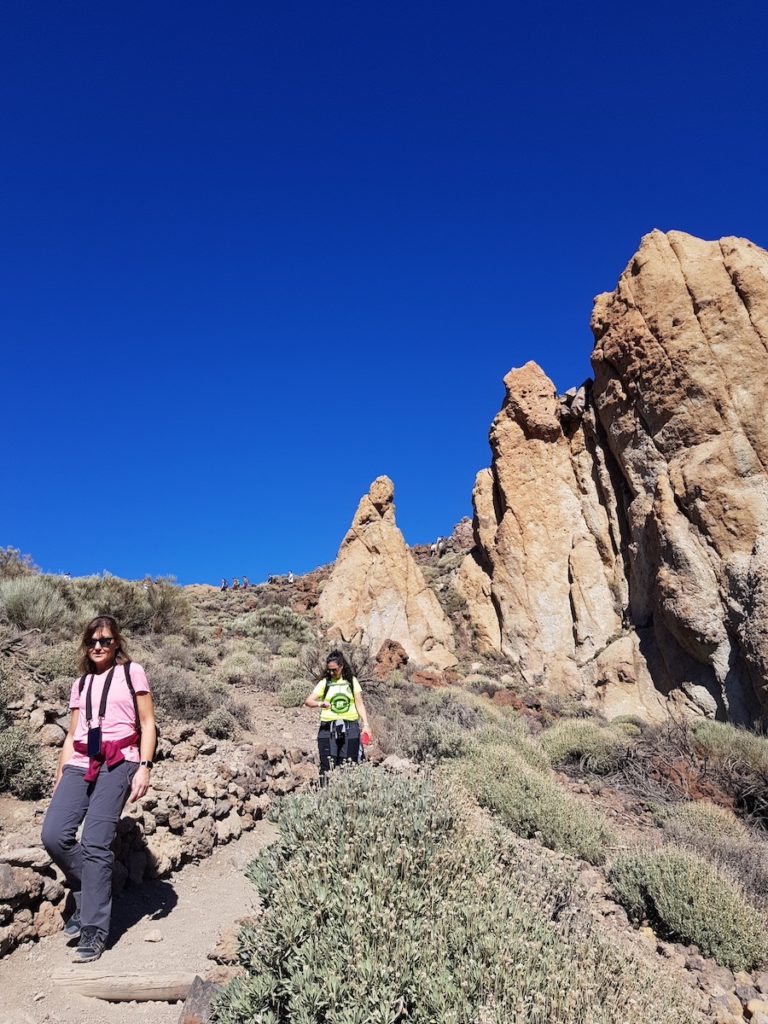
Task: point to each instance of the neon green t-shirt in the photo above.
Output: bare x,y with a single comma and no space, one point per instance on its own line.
340,696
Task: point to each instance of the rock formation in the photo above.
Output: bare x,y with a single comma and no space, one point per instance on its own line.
622,531
376,592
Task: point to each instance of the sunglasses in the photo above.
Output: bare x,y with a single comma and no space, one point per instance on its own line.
100,641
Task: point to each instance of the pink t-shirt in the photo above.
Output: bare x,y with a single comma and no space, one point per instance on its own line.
120,717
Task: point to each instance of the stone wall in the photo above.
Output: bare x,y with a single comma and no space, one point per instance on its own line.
204,793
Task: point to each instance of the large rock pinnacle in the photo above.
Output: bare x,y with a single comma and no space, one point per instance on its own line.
622,530
376,591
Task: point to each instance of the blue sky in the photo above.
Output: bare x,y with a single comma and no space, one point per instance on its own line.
256,254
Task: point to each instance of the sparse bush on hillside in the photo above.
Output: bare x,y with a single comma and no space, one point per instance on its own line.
690,900
169,610
57,661
434,927
274,624
728,744
531,803
21,769
294,693
180,694
176,651
13,564
220,724
32,602
584,743
719,836
238,668
151,606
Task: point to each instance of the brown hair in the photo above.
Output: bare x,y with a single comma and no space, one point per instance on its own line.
101,622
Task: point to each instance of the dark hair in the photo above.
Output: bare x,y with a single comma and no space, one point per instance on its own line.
346,668
101,622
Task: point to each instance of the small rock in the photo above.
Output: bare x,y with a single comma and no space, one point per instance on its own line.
756,1007
26,857
52,736
154,936
747,994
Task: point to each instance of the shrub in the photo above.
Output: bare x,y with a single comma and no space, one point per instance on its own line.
182,695
177,652
690,900
169,608
124,600
293,694
220,724
379,906
720,837
238,668
578,741
532,804
31,602
289,648
58,661
13,564
21,770
428,741
725,744
274,624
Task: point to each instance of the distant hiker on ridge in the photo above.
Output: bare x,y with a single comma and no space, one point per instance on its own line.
340,696
224,586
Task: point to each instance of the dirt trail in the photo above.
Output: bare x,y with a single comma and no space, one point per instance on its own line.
189,909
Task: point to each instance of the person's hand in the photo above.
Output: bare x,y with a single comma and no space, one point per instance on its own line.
140,784
367,732
325,703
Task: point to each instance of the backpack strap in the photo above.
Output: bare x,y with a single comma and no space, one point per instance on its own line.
81,684
127,667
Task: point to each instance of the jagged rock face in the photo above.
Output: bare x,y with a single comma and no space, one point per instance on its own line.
376,591
681,385
621,532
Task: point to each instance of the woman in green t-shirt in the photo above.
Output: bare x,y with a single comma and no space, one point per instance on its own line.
340,697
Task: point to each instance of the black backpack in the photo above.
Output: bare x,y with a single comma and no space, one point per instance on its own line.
127,667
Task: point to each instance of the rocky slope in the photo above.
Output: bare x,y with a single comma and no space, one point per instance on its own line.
620,531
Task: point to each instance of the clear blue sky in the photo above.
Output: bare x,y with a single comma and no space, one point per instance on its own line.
256,254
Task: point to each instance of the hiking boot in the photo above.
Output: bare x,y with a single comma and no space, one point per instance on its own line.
90,947
72,927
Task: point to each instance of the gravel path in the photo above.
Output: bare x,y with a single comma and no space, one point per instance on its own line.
189,909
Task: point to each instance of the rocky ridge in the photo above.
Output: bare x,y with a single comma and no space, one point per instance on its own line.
621,530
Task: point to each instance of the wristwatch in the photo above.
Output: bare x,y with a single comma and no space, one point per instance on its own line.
146,764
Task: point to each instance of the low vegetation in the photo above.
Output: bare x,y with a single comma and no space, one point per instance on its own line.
689,900
716,834
529,801
594,748
436,924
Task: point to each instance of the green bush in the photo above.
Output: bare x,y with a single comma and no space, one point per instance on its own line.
220,724
151,606
274,624
428,741
729,744
720,837
181,695
32,602
238,668
691,901
579,741
293,694
21,770
380,906
58,661
531,803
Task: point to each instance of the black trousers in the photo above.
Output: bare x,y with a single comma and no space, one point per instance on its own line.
336,746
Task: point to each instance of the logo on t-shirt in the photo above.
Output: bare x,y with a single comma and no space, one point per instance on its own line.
340,703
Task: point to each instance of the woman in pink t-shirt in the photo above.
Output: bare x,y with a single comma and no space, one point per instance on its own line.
106,757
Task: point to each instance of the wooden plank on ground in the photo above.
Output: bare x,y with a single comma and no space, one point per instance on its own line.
197,1007
118,988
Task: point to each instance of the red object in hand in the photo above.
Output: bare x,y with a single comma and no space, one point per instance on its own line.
366,738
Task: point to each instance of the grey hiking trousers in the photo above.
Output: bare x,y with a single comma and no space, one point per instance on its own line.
88,863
